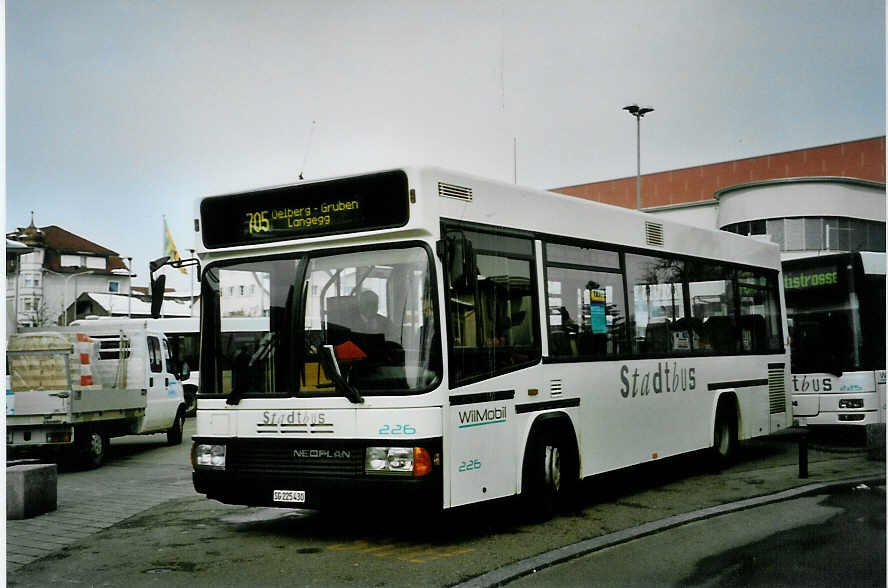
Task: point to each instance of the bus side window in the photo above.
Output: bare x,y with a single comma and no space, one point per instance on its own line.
759,312
491,305
586,310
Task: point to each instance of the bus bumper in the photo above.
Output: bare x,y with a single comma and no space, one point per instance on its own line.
318,493
311,474
840,418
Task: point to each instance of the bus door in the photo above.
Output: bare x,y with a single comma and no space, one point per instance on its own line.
493,346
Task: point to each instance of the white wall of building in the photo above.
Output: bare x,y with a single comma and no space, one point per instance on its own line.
789,208
801,197
697,214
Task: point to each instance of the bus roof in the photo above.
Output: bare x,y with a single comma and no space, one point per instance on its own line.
437,193
872,262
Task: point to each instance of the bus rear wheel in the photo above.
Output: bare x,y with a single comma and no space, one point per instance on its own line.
724,449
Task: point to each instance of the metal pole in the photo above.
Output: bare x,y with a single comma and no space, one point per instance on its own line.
637,112
191,283
515,158
803,455
129,270
15,304
638,162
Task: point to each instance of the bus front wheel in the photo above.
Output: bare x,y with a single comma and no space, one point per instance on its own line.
549,478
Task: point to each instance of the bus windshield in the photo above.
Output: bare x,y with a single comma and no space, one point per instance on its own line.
375,308
836,316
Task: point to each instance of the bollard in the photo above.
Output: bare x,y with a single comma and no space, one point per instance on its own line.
803,455
31,490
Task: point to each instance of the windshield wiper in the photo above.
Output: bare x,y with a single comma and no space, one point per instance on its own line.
331,367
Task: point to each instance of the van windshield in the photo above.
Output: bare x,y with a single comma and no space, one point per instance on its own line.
266,323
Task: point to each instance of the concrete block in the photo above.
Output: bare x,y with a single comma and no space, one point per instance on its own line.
875,442
31,489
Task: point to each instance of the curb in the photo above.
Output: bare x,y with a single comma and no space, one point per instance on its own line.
506,574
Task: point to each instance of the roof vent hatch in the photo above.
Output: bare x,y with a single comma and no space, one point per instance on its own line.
653,234
453,191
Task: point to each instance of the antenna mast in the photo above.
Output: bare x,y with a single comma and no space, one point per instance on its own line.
307,148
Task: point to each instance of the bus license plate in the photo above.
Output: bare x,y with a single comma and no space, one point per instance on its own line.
289,496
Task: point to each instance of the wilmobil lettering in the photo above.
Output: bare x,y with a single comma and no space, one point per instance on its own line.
482,417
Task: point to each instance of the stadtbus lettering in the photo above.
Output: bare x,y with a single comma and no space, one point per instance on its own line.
663,379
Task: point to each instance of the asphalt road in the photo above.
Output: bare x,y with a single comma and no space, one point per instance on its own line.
835,539
156,531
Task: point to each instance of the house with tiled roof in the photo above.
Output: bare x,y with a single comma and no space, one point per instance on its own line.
58,268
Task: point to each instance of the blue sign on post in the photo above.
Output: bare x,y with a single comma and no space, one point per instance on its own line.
597,315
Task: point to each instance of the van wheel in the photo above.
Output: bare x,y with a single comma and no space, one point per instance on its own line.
550,477
93,446
176,432
724,449
190,393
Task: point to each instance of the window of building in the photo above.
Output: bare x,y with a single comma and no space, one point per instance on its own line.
88,261
817,233
813,233
776,229
795,234
114,286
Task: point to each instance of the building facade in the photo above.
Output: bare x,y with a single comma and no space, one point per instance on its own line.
59,267
816,200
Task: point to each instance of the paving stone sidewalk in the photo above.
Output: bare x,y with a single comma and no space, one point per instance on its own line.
92,500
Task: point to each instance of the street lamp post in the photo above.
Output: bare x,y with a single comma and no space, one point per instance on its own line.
638,113
129,271
191,282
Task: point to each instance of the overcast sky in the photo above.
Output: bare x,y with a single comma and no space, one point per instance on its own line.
120,112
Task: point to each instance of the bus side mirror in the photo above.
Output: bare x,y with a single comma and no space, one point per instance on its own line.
157,289
158,285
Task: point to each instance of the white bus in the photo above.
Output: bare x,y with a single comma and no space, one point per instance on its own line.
836,313
440,336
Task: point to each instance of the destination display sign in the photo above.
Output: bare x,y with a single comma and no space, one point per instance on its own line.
375,201
811,278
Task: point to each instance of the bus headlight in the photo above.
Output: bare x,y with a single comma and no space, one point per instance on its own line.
409,461
209,456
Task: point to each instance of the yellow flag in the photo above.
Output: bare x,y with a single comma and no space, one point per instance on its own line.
169,247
